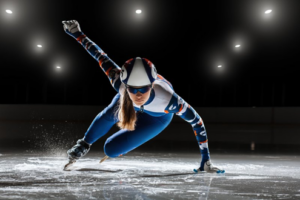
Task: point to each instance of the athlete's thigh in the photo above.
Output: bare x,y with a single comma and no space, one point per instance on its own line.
147,127
103,122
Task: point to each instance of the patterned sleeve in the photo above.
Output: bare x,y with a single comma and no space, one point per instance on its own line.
186,112
109,67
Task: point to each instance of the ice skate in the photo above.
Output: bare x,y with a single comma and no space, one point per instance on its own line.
210,168
103,159
69,164
76,152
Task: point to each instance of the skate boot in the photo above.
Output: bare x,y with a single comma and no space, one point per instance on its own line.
77,151
210,168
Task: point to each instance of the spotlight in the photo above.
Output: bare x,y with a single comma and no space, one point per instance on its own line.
40,46
9,11
138,11
237,46
268,11
219,66
57,67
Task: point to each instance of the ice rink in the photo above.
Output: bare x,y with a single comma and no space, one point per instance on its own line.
148,176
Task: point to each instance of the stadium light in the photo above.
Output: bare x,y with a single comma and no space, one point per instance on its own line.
268,11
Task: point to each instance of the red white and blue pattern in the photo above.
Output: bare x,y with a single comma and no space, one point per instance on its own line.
163,99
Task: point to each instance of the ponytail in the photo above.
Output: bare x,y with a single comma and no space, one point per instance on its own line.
126,112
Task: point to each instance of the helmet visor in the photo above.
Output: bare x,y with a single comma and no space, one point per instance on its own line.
136,90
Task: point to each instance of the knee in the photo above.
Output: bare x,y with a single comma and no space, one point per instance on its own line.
111,149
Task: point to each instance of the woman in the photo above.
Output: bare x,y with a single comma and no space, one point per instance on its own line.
144,106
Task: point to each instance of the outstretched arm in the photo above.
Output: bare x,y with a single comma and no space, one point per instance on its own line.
109,67
185,111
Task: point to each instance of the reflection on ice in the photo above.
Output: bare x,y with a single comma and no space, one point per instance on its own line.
148,176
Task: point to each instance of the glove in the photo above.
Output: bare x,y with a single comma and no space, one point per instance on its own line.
210,168
79,150
72,28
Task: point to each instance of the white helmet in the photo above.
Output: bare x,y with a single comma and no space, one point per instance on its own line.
138,72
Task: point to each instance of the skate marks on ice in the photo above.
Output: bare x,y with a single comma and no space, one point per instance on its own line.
43,177
86,169
91,169
148,177
130,171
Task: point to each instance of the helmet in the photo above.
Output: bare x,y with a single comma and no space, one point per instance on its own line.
138,72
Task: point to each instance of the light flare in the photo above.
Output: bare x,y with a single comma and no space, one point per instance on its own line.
268,11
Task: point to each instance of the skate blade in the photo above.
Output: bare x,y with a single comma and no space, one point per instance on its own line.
103,159
220,171
70,163
198,171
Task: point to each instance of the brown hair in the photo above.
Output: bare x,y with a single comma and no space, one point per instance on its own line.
126,112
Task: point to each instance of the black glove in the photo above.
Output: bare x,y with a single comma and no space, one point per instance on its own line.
79,150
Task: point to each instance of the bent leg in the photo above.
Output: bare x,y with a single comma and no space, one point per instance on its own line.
147,127
102,122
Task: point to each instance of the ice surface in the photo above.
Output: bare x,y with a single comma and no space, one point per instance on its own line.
148,176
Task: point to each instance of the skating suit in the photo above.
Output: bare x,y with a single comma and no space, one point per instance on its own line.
152,118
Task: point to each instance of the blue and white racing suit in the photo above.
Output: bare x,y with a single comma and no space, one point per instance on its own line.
152,118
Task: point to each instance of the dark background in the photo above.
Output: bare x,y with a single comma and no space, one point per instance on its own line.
252,100
186,40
